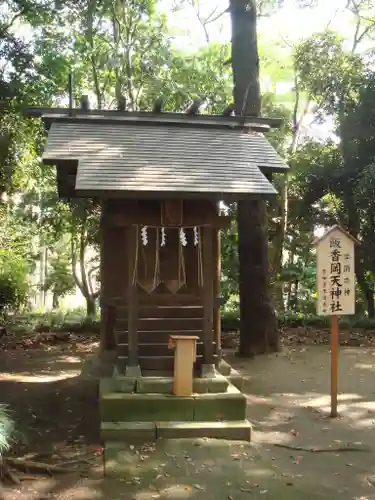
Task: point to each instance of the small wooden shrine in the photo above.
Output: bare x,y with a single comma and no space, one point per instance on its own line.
159,178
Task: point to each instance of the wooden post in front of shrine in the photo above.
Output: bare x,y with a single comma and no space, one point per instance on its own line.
336,290
208,301
132,366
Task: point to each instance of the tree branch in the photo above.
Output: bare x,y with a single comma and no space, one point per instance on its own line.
355,9
211,19
74,264
82,267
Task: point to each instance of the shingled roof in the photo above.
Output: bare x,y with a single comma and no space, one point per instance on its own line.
130,158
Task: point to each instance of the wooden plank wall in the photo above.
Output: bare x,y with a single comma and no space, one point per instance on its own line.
160,314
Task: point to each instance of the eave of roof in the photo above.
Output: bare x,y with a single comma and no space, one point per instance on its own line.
51,115
130,158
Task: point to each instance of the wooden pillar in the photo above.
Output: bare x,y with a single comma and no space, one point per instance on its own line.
132,297
107,313
208,295
217,278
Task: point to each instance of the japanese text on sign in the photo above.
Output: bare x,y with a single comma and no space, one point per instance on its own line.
335,274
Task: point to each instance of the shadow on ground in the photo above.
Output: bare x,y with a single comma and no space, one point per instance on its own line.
288,404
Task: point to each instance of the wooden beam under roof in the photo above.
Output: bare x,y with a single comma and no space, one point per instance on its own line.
53,114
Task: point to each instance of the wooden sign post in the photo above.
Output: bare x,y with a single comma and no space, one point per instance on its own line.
336,289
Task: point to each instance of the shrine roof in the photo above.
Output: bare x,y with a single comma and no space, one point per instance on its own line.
164,158
140,154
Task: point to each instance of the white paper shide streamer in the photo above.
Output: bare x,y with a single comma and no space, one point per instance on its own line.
163,239
183,238
144,236
196,236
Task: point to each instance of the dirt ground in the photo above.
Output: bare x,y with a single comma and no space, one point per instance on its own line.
57,417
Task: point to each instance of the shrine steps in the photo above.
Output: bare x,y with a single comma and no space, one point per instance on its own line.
154,349
154,336
151,323
118,407
156,363
156,323
142,432
129,413
155,356
140,410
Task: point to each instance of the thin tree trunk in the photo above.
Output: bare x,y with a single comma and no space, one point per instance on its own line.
367,291
90,306
283,201
258,332
370,303
295,298
82,283
92,7
289,296
55,300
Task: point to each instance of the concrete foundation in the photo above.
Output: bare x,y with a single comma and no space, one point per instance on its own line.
141,409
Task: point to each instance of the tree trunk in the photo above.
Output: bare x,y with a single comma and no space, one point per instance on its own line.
295,298
366,289
370,303
289,296
55,300
82,283
90,307
258,332
283,202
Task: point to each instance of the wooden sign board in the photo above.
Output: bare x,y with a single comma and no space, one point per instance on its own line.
336,290
335,273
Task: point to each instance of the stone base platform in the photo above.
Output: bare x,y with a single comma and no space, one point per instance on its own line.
143,432
145,409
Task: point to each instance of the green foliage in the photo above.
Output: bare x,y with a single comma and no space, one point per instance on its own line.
14,285
292,319
327,72
7,429
59,279
126,49
15,261
336,178
74,321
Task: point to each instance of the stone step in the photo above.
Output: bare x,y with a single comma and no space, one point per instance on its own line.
157,362
238,430
154,336
160,385
134,432
128,432
149,362
155,349
162,305
160,324
123,407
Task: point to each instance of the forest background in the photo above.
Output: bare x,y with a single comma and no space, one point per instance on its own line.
316,72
